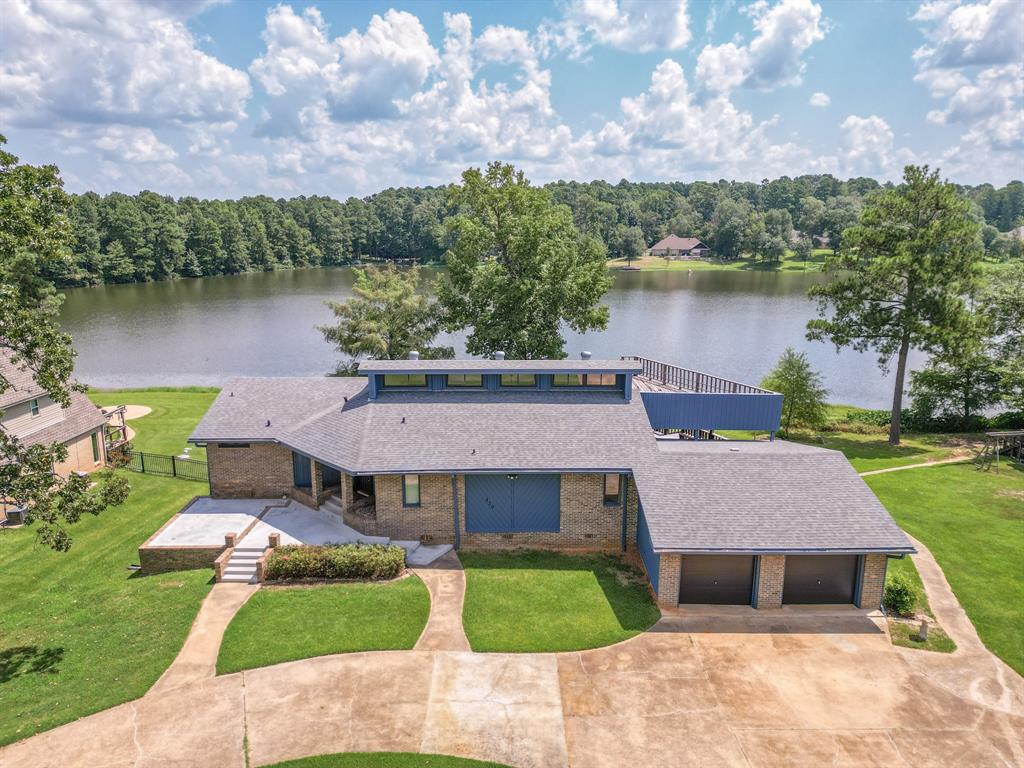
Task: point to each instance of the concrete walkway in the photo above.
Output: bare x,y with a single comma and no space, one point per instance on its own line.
955,460
972,671
715,688
446,582
197,659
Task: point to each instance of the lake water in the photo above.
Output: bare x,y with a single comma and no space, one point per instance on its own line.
205,331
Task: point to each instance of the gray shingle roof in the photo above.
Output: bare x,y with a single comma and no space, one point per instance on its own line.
441,431
20,381
81,417
499,366
697,496
761,497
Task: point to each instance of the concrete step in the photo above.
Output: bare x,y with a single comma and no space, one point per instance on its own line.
254,556
425,554
239,579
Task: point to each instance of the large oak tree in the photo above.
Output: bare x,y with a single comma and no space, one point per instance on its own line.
518,268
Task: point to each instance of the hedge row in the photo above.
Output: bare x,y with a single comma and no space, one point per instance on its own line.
911,421
372,562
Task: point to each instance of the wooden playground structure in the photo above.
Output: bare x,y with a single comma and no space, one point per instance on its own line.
997,445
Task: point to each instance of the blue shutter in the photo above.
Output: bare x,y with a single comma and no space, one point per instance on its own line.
488,504
536,500
301,475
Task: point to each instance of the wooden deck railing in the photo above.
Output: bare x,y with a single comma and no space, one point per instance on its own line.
675,377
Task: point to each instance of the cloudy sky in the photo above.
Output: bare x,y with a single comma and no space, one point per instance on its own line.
223,99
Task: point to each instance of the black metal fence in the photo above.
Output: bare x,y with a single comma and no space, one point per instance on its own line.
162,464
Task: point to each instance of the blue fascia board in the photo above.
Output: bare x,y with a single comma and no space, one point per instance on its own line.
790,551
713,410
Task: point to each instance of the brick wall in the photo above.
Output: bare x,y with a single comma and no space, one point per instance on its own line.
263,470
670,568
163,559
586,523
872,584
432,520
770,577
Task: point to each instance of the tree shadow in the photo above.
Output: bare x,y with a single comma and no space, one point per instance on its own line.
20,660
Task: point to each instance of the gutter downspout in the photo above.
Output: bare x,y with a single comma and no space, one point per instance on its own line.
455,509
625,512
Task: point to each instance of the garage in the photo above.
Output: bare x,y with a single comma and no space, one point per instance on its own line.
819,579
513,503
717,579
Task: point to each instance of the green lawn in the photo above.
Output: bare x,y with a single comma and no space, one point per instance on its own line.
908,570
175,414
78,631
544,601
973,522
385,760
905,635
287,623
789,263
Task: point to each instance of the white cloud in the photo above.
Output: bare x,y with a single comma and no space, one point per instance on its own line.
819,99
868,148
971,34
133,145
974,64
640,26
80,61
773,58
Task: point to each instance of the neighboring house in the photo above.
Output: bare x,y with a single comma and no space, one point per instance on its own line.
675,247
565,454
30,415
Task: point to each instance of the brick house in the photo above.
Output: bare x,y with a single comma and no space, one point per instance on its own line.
675,247
565,454
31,416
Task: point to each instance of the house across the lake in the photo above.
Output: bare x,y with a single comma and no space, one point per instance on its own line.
30,415
606,455
675,247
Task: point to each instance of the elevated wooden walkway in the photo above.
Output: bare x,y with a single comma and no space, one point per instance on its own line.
666,377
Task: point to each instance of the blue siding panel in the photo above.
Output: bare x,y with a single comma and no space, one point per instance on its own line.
652,560
498,504
706,410
536,500
488,504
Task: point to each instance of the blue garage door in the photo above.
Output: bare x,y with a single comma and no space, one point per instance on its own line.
512,503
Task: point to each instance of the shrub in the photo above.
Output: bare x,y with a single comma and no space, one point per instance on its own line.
372,562
900,595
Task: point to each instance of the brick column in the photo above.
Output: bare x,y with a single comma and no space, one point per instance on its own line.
669,571
317,484
770,576
872,581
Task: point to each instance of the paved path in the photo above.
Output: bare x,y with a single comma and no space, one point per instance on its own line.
728,688
197,660
446,582
972,671
955,460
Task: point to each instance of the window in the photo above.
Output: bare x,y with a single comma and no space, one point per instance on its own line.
34,407
568,380
405,379
410,490
612,489
584,380
518,380
95,446
464,380
232,445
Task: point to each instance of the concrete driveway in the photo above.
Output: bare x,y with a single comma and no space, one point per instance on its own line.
744,690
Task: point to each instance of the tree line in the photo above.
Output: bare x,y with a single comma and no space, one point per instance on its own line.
118,238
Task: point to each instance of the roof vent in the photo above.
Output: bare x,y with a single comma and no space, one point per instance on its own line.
499,355
734,450
268,422
584,355
414,355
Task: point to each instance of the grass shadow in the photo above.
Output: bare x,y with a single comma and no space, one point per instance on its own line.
20,660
